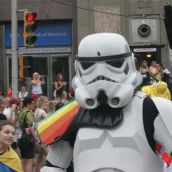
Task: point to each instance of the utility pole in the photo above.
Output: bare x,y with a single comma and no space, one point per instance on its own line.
14,46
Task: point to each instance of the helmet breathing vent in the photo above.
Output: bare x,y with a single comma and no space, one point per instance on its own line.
115,101
102,97
90,102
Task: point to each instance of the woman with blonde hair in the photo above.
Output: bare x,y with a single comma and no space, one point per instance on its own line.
41,113
41,108
37,81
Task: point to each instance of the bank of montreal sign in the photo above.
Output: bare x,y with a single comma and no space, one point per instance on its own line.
48,34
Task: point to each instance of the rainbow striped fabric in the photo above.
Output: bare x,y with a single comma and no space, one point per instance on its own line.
56,124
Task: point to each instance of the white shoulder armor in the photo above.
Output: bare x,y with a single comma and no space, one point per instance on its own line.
164,107
140,94
59,155
163,123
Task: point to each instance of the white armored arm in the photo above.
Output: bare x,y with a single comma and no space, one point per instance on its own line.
59,156
163,123
51,169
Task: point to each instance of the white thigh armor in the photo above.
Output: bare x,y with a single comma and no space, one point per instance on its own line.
60,156
121,149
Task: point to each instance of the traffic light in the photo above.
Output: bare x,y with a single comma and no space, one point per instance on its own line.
29,28
21,67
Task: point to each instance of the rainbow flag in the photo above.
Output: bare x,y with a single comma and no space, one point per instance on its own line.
56,124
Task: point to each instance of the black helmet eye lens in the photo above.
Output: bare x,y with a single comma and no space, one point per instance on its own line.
86,65
116,63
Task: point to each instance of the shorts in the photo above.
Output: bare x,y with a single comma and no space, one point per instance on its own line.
26,151
36,96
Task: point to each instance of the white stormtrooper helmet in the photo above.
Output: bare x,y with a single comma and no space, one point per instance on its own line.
105,71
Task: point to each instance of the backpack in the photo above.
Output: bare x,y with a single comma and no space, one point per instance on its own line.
22,116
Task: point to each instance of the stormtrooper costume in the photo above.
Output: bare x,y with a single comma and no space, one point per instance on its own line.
118,127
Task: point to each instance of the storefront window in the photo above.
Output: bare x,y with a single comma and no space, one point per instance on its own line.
48,67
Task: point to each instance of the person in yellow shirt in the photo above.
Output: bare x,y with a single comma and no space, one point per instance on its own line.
9,160
159,89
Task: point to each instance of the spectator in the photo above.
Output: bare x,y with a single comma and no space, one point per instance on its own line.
23,93
26,145
59,86
155,71
144,70
11,109
2,105
63,100
42,106
52,107
40,113
7,109
14,106
166,73
2,117
9,92
9,160
1,94
36,82
12,116
71,94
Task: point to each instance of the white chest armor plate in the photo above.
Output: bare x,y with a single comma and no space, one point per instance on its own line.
121,149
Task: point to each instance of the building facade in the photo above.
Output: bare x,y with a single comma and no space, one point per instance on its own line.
54,49
63,23
140,21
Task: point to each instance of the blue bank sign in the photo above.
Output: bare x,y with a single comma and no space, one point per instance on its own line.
48,34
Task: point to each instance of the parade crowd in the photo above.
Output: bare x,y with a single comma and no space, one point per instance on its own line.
21,116
25,112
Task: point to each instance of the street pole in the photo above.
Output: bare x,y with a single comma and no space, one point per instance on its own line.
14,58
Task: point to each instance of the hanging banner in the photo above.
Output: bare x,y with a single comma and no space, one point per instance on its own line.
48,34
